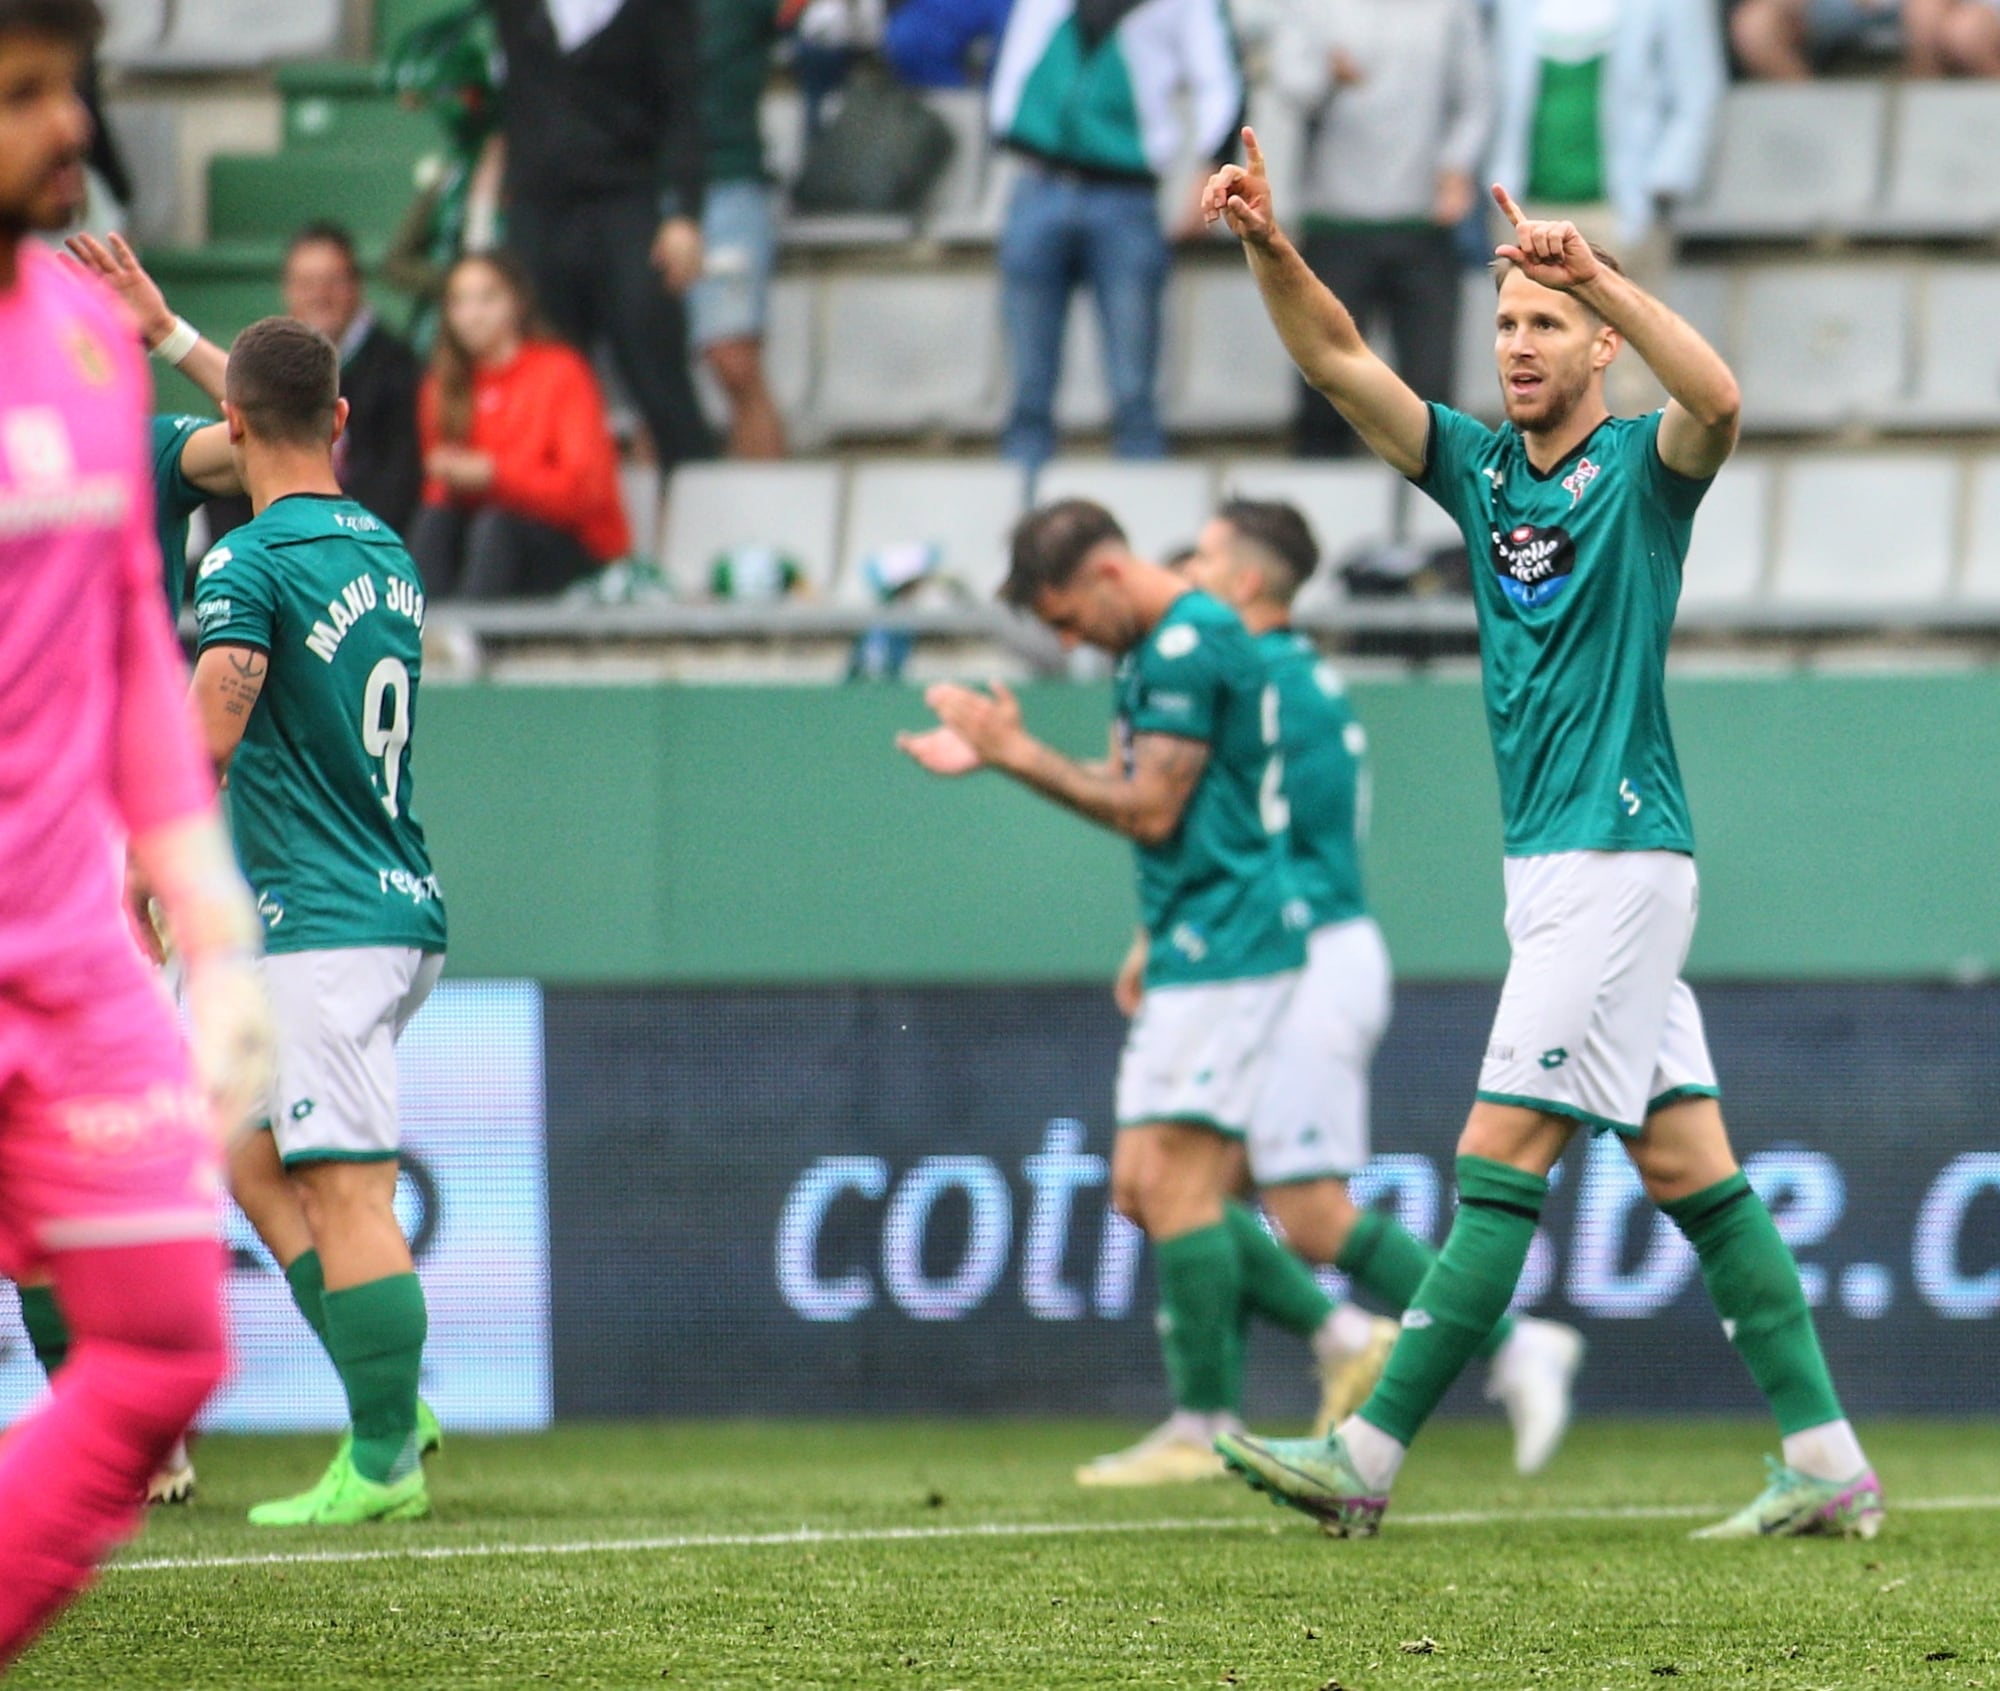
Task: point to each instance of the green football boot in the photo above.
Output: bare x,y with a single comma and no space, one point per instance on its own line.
430,1436
1795,1505
345,1498
298,1511
1313,1475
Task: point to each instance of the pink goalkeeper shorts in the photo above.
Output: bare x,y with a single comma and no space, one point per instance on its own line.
104,1138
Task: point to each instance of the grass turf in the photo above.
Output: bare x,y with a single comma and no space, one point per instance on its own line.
946,1581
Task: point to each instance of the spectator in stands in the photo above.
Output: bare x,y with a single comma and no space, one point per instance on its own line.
521,473
1396,99
1101,97
376,458
739,225
1783,40
943,43
604,183
1953,37
1607,112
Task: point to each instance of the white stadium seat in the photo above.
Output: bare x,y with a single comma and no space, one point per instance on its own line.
1793,159
132,28
1227,369
226,34
1943,181
905,353
1861,530
1160,506
963,508
781,119
954,202
1349,505
1725,563
1701,294
1822,345
1958,365
1982,550
713,508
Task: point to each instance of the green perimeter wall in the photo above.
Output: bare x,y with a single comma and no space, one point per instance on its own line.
1848,828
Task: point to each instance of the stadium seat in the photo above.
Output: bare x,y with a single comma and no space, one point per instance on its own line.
1475,382
954,202
963,508
791,348
639,490
396,18
1701,294
1226,369
1943,181
906,353
980,224
1793,159
1160,506
237,34
1866,530
1958,360
711,508
132,28
781,116
1982,547
345,106
1822,346
1725,564
1349,505
271,194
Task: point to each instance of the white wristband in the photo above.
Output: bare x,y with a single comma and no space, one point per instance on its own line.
180,341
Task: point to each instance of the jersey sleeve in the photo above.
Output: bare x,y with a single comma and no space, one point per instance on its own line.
1452,452
1178,683
1681,495
235,602
171,488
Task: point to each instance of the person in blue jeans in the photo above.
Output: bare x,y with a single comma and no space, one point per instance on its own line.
1099,98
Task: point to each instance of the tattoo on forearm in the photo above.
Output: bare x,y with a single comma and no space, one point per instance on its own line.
1145,804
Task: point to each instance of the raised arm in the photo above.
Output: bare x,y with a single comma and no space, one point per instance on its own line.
194,355
1704,407
984,731
1317,329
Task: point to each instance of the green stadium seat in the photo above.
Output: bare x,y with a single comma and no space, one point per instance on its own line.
396,18
271,194
345,106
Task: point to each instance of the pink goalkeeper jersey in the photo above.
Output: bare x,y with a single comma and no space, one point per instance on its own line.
96,741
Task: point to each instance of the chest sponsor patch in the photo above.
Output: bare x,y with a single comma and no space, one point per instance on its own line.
1534,564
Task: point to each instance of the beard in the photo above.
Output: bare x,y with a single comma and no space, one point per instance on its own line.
1549,408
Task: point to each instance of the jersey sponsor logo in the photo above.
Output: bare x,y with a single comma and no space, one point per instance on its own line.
359,523
48,493
271,908
213,613
37,444
1628,796
1178,641
1187,940
1534,564
220,558
1578,479
1170,704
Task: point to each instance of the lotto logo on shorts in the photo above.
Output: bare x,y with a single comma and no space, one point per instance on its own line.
1553,1059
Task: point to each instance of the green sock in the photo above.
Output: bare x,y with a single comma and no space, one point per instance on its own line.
1754,1284
1201,1292
1462,1297
48,1333
1277,1284
308,1283
1389,1262
376,1333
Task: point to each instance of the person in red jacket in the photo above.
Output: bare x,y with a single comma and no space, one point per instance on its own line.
520,470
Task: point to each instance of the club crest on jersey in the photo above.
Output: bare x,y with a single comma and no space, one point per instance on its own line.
87,356
1534,564
1578,479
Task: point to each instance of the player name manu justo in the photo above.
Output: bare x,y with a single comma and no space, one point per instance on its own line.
357,599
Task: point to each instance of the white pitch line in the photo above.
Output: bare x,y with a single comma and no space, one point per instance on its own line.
927,1535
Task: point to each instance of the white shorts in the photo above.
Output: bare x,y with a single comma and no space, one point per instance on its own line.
1311,1120
1595,1022
339,1015
1197,1055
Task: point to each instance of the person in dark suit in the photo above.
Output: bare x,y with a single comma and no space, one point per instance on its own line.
377,460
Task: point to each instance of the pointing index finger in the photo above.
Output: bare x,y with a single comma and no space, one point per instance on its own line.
1253,152
1508,209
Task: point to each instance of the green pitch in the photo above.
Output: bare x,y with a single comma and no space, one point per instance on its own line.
929,1557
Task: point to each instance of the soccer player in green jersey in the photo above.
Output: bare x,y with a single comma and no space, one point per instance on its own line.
1309,1130
1579,524
1195,781
311,652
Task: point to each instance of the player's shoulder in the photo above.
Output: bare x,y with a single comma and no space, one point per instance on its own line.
1198,631
239,556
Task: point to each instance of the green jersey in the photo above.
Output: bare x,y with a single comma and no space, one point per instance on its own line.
175,500
1218,899
1576,572
1325,776
320,790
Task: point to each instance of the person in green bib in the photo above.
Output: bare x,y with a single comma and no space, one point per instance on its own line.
310,658
1195,781
1579,524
